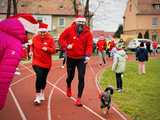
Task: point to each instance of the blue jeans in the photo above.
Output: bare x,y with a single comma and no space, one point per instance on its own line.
119,80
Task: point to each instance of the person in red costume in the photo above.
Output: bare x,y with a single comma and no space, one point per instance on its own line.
155,47
77,41
101,47
43,47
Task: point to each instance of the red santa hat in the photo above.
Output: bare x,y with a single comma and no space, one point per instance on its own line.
29,23
42,27
80,19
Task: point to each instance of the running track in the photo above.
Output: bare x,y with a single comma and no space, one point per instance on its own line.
57,106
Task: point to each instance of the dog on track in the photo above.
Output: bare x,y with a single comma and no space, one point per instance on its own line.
105,99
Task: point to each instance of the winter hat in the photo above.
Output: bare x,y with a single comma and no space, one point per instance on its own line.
80,19
42,27
29,23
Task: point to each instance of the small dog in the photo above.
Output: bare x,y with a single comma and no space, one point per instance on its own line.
105,99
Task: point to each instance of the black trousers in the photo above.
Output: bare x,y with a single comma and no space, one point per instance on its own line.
41,77
81,67
119,80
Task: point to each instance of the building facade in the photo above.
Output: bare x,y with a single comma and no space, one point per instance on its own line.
58,14
141,16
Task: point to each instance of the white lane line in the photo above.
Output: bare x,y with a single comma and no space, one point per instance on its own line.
97,85
14,97
50,97
21,80
49,104
17,104
27,68
100,90
120,114
23,77
87,108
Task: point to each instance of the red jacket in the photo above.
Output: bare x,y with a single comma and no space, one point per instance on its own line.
82,45
43,58
101,45
155,44
111,45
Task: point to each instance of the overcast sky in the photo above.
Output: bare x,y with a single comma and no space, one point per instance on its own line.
109,14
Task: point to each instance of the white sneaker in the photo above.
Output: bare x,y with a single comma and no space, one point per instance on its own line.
37,101
17,73
120,90
41,97
122,75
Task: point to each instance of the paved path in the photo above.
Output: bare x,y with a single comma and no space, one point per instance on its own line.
57,106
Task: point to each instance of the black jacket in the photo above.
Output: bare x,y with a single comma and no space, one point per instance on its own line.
142,54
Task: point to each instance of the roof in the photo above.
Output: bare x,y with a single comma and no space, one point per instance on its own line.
55,7
97,34
145,7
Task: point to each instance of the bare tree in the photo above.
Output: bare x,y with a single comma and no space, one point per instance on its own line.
75,7
99,4
10,6
86,12
15,7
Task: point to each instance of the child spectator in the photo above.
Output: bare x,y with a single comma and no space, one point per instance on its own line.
141,56
119,65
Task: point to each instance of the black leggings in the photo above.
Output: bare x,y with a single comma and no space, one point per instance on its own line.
119,80
81,67
41,77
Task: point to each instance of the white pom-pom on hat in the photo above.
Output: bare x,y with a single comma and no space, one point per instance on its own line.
80,19
29,23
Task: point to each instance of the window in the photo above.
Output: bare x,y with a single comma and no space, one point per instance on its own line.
61,22
154,21
40,19
156,6
2,3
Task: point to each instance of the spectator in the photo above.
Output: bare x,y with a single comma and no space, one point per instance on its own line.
148,46
141,56
112,47
155,47
119,65
14,32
